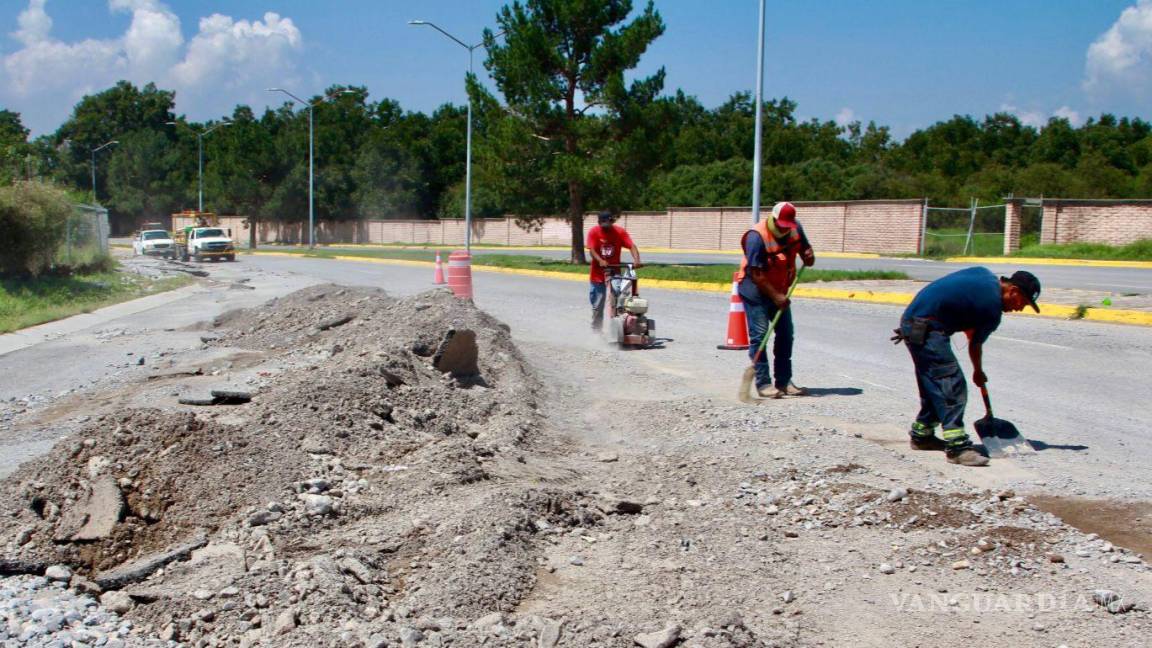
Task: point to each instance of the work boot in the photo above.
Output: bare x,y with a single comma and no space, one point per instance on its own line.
923,437
929,442
966,456
769,391
792,390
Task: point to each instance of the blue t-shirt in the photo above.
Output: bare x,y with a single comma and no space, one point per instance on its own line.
757,256
962,301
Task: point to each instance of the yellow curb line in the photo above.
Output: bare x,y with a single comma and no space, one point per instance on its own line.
555,248
1048,311
1092,263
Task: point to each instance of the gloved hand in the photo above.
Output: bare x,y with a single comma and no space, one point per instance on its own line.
898,338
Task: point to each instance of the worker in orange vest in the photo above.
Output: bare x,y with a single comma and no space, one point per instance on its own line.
766,273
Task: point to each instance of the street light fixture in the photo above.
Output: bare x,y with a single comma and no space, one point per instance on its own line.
200,155
311,146
94,151
468,154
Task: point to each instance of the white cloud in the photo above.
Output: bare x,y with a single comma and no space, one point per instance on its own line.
34,23
1072,116
1120,60
1039,118
845,116
46,77
1033,118
238,50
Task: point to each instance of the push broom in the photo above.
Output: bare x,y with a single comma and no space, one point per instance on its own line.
745,394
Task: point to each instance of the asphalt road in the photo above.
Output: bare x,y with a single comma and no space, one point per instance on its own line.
1079,389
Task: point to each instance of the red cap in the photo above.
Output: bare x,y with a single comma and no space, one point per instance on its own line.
785,215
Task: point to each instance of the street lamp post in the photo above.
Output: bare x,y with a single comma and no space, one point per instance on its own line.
468,153
94,151
311,146
200,157
759,120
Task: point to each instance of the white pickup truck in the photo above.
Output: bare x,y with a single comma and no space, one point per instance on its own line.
200,243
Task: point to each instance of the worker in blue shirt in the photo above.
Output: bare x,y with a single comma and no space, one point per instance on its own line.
972,301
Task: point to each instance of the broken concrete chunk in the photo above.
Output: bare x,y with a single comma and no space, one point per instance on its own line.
316,504
59,573
94,517
457,354
18,566
118,602
230,397
661,639
334,322
145,567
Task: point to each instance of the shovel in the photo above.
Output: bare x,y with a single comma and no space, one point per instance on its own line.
749,376
1000,437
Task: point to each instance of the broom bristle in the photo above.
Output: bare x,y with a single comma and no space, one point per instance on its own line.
746,381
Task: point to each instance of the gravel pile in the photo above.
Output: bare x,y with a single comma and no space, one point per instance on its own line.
368,491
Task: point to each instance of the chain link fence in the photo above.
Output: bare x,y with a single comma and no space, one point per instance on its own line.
86,236
977,230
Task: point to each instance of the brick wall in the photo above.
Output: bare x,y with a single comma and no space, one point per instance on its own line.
1113,222
862,226
1012,209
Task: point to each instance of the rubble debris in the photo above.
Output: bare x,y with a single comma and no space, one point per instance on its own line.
145,567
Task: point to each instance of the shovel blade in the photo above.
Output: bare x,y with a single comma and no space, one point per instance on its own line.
1001,438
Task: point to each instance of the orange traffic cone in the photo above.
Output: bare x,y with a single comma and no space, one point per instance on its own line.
737,339
460,274
438,279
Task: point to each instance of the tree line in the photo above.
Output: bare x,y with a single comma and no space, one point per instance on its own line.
562,134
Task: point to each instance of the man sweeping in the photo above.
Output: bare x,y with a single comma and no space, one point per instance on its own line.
766,273
971,301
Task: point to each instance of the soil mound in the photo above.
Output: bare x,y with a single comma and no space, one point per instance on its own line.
359,491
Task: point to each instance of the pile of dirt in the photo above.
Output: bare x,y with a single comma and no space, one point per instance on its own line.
369,490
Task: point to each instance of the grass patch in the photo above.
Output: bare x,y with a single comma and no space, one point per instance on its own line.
28,302
1138,251
719,273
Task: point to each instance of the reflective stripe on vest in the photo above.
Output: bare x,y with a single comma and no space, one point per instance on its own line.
771,246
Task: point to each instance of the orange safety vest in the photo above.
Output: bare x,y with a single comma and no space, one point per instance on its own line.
781,254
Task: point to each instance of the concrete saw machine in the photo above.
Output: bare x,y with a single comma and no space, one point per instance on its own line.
629,325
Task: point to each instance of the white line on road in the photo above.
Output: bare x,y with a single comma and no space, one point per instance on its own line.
868,383
1054,346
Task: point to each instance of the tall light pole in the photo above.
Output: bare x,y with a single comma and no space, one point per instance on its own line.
309,105
200,155
759,120
468,153
94,151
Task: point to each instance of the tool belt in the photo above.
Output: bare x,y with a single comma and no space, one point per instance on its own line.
913,331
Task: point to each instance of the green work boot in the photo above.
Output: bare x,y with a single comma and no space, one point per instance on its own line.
923,437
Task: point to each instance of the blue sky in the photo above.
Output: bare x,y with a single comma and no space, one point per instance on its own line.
902,63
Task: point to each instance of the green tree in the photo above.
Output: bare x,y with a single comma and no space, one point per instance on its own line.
14,147
144,177
105,116
562,59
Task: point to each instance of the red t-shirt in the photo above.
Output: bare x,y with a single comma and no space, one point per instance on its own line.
608,244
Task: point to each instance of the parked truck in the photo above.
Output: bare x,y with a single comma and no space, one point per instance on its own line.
204,239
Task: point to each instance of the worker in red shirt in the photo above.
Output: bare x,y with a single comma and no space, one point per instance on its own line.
605,242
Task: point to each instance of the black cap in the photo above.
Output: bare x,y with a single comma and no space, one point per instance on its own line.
1028,284
605,216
